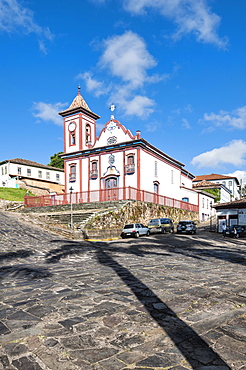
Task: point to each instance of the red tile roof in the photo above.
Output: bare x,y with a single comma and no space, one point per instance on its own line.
213,176
31,163
239,203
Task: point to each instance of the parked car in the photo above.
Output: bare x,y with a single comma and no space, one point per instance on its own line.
240,231
135,230
187,227
161,225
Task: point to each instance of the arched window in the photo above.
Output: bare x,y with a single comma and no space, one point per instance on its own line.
87,134
94,170
130,164
72,174
72,138
156,187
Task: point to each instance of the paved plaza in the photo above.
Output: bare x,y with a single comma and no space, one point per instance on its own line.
160,302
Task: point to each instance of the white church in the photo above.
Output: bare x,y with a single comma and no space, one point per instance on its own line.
118,165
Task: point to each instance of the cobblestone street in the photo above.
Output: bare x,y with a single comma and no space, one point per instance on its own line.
159,302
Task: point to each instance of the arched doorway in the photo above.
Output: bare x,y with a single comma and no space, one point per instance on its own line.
111,188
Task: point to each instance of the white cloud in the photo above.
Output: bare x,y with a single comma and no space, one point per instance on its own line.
236,118
127,57
152,126
48,112
140,106
186,123
14,18
241,175
233,153
92,85
190,16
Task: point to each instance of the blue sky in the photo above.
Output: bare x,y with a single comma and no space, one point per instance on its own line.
174,69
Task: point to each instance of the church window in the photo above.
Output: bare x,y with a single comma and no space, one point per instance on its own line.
171,176
94,170
72,174
29,172
88,134
156,187
57,177
130,164
47,175
40,174
185,199
19,170
72,138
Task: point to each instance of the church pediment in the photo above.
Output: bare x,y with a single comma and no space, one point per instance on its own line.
114,133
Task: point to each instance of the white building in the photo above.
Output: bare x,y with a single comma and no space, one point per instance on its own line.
232,213
224,193
13,172
119,165
229,182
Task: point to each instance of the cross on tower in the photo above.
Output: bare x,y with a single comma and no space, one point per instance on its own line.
112,108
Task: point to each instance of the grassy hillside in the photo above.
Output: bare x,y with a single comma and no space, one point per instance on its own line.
13,194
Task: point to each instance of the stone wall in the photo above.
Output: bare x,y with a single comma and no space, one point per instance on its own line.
39,188
138,212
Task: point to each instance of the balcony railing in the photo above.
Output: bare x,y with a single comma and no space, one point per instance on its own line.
72,177
129,169
125,193
93,174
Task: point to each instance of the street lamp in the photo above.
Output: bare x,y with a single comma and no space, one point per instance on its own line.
71,223
211,204
4,200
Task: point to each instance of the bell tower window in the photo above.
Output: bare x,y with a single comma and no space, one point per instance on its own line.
72,138
87,134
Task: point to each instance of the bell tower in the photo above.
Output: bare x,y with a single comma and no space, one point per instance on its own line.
79,125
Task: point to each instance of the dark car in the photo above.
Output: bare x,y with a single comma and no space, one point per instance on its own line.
186,227
240,231
135,230
161,225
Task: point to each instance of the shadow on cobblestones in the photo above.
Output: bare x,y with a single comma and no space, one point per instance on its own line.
69,249
203,250
196,351
181,245
189,343
21,271
24,271
21,253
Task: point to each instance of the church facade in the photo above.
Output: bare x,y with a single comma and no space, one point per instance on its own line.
120,165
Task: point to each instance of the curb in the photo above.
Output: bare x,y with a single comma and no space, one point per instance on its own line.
100,240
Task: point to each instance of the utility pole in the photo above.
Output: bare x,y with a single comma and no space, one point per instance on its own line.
71,203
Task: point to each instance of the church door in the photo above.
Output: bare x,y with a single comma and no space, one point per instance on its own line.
111,188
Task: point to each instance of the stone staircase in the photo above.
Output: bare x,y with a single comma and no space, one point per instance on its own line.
60,215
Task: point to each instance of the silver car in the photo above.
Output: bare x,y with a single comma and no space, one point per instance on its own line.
187,227
135,230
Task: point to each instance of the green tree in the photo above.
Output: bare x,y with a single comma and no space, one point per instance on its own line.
215,192
56,161
244,190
